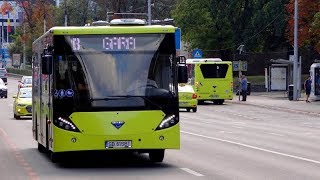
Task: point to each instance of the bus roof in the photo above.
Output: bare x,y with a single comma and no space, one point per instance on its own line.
203,60
121,29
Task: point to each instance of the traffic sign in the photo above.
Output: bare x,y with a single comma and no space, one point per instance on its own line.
235,65
244,65
239,65
16,59
197,53
177,35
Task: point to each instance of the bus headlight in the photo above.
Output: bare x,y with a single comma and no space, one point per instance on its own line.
168,121
65,124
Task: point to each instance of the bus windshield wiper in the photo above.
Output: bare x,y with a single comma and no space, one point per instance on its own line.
129,96
108,98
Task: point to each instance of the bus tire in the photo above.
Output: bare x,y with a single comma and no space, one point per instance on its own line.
221,101
200,101
54,157
194,109
41,148
156,155
188,109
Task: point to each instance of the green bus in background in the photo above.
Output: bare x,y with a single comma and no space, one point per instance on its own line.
107,88
211,79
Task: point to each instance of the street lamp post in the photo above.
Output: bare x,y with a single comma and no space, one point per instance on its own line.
295,61
149,12
65,13
44,17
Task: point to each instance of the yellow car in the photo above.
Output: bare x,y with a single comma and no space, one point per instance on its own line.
187,97
22,105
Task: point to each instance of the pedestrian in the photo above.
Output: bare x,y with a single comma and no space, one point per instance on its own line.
244,87
307,87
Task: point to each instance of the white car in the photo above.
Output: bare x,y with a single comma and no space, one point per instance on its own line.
3,89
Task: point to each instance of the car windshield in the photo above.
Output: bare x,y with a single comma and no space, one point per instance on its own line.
1,82
27,81
185,88
25,93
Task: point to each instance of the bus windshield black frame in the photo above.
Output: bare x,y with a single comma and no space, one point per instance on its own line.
114,72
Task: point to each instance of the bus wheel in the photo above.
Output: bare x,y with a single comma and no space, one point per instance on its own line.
194,109
200,102
216,102
221,101
188,109
54,157
156,155
41,148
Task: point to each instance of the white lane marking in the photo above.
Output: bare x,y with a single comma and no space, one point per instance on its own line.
276,134
238,127
254,147
227,132
10,105
191,172
239,123
3,132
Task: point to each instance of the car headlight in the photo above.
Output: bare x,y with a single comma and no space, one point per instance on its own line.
20,104
168,121
66,124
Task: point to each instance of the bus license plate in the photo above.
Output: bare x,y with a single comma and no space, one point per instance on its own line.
118,144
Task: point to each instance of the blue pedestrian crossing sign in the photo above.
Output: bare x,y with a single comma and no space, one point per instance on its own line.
197,53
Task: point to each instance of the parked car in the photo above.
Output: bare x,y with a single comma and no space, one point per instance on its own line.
187,97
26,81
4,75
22,105
3,89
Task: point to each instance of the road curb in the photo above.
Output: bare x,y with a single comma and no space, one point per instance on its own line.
291,110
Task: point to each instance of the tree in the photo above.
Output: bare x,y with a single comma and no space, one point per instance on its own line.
221,26
315,31
308,19
34,13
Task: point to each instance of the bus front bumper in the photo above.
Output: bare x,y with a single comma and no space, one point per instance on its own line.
64,141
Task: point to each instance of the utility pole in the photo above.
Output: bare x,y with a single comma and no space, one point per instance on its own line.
240,48
44,17
295,62
65,13
149,12
24,47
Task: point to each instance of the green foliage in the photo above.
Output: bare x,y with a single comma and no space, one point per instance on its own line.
80,12
17,46
26,72
224,25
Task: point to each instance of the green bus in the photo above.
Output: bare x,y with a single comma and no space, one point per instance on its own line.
211,79
107,88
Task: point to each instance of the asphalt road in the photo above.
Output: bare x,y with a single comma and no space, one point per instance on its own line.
231,141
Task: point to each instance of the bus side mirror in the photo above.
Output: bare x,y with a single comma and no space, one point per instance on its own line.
46,62
182,74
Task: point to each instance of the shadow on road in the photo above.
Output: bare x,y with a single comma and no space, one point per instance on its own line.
103,159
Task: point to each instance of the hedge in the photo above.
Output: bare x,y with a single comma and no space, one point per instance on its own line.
26,72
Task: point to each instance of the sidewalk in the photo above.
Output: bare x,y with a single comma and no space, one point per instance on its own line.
279,100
